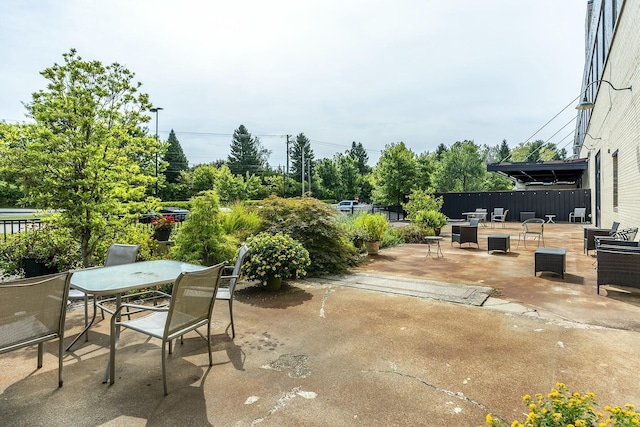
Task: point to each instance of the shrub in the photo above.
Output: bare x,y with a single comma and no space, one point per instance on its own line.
53,246
374,226
200,239
275,256
562,408
240,222
313,224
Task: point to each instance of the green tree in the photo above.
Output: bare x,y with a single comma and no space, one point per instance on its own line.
350,178
425,166
462,168
394,175
247,153
440,151
504,152
359,154
328,176
230,188
85,155
204,178
175,159
299,146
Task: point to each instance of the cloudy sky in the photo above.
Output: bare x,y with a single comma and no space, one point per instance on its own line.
423,72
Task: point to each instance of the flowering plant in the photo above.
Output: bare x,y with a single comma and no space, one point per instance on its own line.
163,222
277,255
564,409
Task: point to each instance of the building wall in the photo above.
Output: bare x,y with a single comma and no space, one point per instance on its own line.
614,125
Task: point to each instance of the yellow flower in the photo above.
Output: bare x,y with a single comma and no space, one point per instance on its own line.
489,419
526,397
557,416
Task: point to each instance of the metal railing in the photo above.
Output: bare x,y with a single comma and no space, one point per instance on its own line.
13,226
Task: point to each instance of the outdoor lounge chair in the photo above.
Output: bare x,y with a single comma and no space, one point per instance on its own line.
191,306
499,215
465,233
226,292
578,213
533,227
618,266
32,312
591,234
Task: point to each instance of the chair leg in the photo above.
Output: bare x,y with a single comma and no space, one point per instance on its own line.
209,343
233,329
164,367
60,353
39,355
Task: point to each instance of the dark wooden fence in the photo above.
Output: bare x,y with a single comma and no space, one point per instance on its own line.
541,202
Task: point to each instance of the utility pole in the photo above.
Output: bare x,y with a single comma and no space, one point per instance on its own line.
286,174
309,172
156,110
302,180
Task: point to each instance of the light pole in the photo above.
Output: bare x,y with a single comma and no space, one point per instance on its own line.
156,110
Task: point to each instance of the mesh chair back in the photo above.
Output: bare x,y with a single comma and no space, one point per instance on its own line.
32,310
192,298
119,254
244,250
498,211
614,227
474,222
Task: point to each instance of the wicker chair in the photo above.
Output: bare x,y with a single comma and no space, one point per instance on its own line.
591,234
618,266
465,233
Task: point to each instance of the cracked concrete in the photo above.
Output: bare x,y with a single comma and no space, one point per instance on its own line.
367,357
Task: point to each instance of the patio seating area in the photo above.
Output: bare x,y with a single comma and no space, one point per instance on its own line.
320,353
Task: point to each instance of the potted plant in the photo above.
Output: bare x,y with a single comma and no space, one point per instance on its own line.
40,250
373,227
162,226
272,258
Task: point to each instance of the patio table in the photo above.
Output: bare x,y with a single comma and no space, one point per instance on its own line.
482,216
119,279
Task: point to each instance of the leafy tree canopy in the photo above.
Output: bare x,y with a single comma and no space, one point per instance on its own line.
462,168
86,154
394,175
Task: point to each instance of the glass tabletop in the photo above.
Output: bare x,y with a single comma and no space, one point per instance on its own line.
126,277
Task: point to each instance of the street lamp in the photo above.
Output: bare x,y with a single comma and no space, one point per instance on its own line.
586,105
156,110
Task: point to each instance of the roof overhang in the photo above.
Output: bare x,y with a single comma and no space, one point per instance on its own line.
552,172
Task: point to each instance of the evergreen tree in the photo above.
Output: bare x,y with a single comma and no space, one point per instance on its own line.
359,154
175,158
504,152
247,153
300,145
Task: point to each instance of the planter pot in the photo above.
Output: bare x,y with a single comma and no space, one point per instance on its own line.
373,247
161,235
34,267
273,283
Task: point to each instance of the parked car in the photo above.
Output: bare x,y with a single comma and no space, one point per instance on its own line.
178,214
351,205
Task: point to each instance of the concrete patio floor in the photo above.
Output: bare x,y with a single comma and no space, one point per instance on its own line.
321,353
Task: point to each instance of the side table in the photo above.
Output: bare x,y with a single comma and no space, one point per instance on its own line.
549,259
550,219
498,242
434,240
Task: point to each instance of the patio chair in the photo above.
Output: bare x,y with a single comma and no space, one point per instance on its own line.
626,234
226,292
117,254
578,213
32,312
533,227
499,215
191,306
593,235
465,233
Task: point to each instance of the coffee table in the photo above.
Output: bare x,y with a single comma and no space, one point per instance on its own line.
550,259
498,242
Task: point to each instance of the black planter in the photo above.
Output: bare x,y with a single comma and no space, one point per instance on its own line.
162,235
34,267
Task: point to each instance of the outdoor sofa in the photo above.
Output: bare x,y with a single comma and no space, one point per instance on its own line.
618,264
